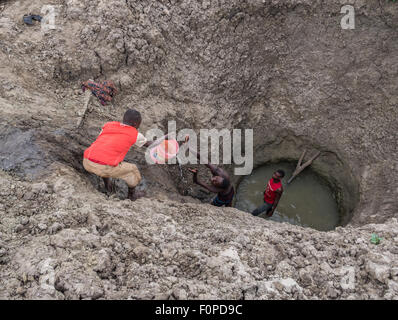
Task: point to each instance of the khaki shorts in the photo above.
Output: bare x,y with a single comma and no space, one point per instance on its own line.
124,170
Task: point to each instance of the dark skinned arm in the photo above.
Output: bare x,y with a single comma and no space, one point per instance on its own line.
211,188
212,167
216,171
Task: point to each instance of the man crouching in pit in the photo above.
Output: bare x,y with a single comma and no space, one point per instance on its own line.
105,156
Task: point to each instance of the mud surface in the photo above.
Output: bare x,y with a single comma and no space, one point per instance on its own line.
284,68
20,154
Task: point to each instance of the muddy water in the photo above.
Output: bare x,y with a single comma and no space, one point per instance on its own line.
307,201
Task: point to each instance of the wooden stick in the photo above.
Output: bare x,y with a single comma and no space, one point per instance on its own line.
300,167
312,159
87,99
301,159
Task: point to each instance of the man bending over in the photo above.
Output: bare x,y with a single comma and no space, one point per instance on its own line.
106,154
220,184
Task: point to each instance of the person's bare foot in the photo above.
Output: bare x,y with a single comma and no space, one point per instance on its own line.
134,195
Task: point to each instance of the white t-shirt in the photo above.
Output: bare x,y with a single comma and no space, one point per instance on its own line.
141,140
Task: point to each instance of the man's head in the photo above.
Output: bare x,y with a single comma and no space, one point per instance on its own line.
132,118
278,175
220,182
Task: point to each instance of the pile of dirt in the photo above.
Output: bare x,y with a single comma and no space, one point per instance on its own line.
285,69
62,239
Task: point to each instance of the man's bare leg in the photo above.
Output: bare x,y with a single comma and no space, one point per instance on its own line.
134,195
108,185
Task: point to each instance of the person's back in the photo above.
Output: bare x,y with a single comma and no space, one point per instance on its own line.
225,196
112,144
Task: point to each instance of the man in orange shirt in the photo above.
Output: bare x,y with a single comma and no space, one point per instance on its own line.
106,154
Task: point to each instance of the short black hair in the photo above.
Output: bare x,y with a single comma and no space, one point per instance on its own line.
281,173
132,117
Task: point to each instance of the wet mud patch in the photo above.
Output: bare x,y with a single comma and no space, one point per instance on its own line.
20,153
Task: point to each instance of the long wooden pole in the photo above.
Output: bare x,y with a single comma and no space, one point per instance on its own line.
300,167
87,99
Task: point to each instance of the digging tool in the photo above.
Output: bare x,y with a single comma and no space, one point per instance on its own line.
87,99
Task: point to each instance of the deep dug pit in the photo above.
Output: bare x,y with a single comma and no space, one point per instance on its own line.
285,69
330,166
309,202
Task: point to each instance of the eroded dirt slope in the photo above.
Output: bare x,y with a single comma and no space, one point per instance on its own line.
284,68
61,238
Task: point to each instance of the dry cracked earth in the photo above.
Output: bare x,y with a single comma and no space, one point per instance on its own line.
286,69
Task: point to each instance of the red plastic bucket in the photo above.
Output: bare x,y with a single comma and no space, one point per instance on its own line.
166,150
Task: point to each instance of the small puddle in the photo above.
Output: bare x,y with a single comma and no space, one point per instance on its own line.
308,201
20,153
